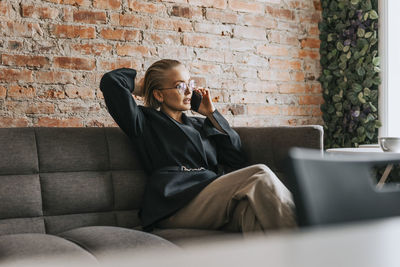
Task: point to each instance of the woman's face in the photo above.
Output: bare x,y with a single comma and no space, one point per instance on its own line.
172,98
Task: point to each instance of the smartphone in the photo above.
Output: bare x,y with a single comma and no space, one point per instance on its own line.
195,101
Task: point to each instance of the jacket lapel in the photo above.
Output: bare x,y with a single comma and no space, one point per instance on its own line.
192,134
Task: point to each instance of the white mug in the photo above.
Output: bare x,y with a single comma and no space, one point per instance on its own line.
390,144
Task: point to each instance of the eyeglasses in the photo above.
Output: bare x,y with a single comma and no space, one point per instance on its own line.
183,86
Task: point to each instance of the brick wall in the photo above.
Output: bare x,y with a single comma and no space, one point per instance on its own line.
260,58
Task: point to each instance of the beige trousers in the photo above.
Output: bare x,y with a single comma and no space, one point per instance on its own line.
246,200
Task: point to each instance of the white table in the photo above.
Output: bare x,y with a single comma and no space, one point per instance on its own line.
370,149
364,244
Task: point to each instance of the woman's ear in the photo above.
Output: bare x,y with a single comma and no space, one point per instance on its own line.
158,95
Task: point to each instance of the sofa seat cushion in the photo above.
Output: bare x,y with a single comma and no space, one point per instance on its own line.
182,236
105,241
34,248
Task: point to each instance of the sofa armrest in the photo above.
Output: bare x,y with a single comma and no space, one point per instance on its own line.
270,145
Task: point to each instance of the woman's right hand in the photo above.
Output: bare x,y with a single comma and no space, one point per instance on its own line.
138,90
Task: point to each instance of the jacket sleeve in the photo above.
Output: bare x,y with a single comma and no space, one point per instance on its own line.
117,87
229,146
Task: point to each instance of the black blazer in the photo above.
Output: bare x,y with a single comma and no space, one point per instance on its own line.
179,158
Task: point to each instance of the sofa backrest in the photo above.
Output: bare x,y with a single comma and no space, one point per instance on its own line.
55,179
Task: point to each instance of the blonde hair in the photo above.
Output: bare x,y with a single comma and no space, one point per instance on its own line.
154,78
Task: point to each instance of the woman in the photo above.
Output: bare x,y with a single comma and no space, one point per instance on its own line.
196,167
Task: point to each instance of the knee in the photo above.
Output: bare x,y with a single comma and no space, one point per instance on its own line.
260,167
267,175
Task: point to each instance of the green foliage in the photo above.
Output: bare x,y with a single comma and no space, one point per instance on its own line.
350,72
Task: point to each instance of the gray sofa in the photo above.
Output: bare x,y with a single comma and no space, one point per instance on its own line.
78,190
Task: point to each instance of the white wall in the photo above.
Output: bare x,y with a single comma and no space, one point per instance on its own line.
389,35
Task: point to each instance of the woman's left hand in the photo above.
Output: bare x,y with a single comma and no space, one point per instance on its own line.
206,107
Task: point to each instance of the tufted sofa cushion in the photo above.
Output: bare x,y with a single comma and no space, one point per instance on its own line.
59,179
18,249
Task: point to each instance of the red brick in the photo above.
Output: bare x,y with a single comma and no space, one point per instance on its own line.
262,110
272,50
310,42
15,45
175,1
261,86
77,107
248,97
132,20
119,34
297,76
272,75
41,108
283,38
20,29
4,8
221,16
80,91
39,12
13,75
317,5
296,110
316,111
78,3
314,88
74,63
311,100
223,30
92,49
273,1
232,109
18,92
221,4
198,40
107,4
3,92
95,123
245,72
242,6
307,54
202,68
250,32
298,4
280,13
53,94
59,122
72,31
163,38
28,108
24,61
306,17
290,26
210,55
91,17
119,63
241,45
134,50
183,53
68,14
290,88
187,12
52,77
13,122
313,30
173,25
259,21
140,6
275,63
